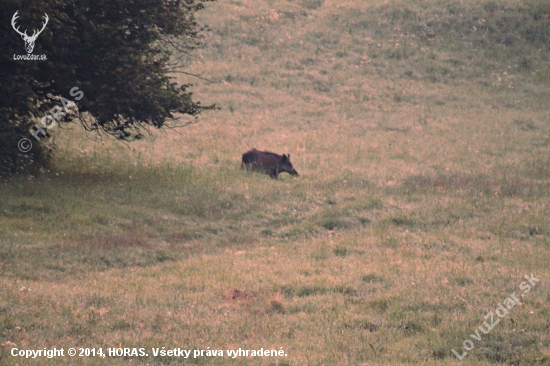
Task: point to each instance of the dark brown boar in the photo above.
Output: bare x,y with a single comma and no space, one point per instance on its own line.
270,163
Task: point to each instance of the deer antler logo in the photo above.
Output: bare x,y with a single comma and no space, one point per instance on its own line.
29,41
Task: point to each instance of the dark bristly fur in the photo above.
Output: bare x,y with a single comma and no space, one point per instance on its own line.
268,162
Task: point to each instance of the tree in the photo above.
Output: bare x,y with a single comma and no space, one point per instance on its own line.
120,54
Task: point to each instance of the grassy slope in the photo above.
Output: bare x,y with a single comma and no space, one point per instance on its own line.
422,145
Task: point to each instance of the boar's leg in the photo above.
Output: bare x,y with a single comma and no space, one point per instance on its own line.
273,173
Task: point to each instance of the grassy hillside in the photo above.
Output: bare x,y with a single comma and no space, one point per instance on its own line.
421,134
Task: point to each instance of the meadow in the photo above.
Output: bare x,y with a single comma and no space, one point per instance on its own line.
421,132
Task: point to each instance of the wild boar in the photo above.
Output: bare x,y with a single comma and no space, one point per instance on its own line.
270,163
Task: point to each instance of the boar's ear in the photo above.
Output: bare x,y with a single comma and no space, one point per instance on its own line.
288,156
284,158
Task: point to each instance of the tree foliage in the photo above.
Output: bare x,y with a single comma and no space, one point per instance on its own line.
119,53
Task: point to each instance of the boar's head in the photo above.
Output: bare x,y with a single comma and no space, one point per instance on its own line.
286,166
